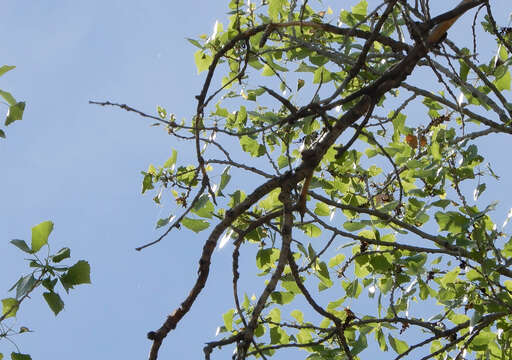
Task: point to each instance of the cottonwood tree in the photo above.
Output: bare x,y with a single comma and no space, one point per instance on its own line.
307,157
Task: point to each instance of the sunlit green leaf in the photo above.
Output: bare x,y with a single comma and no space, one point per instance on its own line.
452,222
228,319
40,235
196,225
169,164
274,8
202,60
503,83
252,146
298,315
322,209
311,230
8,97
6,68
9,307
398,345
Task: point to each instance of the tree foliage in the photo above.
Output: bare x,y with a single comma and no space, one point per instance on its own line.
15,108
45,272
308,155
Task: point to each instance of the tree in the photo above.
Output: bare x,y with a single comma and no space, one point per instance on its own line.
335,140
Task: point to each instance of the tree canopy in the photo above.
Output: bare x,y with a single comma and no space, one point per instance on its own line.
307,156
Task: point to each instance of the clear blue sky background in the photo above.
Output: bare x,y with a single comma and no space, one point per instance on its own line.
79,166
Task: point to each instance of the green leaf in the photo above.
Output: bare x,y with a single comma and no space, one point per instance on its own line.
322,209
228,319
271,201
8,97
380,263
202,60
311,230
54,302
6,68
303,67
360,9
203,208
10,306
304,336
266,257
25,285
77,274
322,75
162,222
15,112
224,178
282,298
169,164
260,330
2,134
62,254
278,336
283,161
275,315
441,203
252,146
478,191
147,183
49,284
22,245
267,71
398,345
352,289
18,356
195,43
359,345
40,235
353,226
298,315
379,335
323,274
503,83
464,70
274,8
482,340
336,260
449,278
452,221
195,225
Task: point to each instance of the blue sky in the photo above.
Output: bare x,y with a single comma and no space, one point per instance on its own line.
79,166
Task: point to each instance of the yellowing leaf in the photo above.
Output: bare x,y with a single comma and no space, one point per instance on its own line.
9,307
40,235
